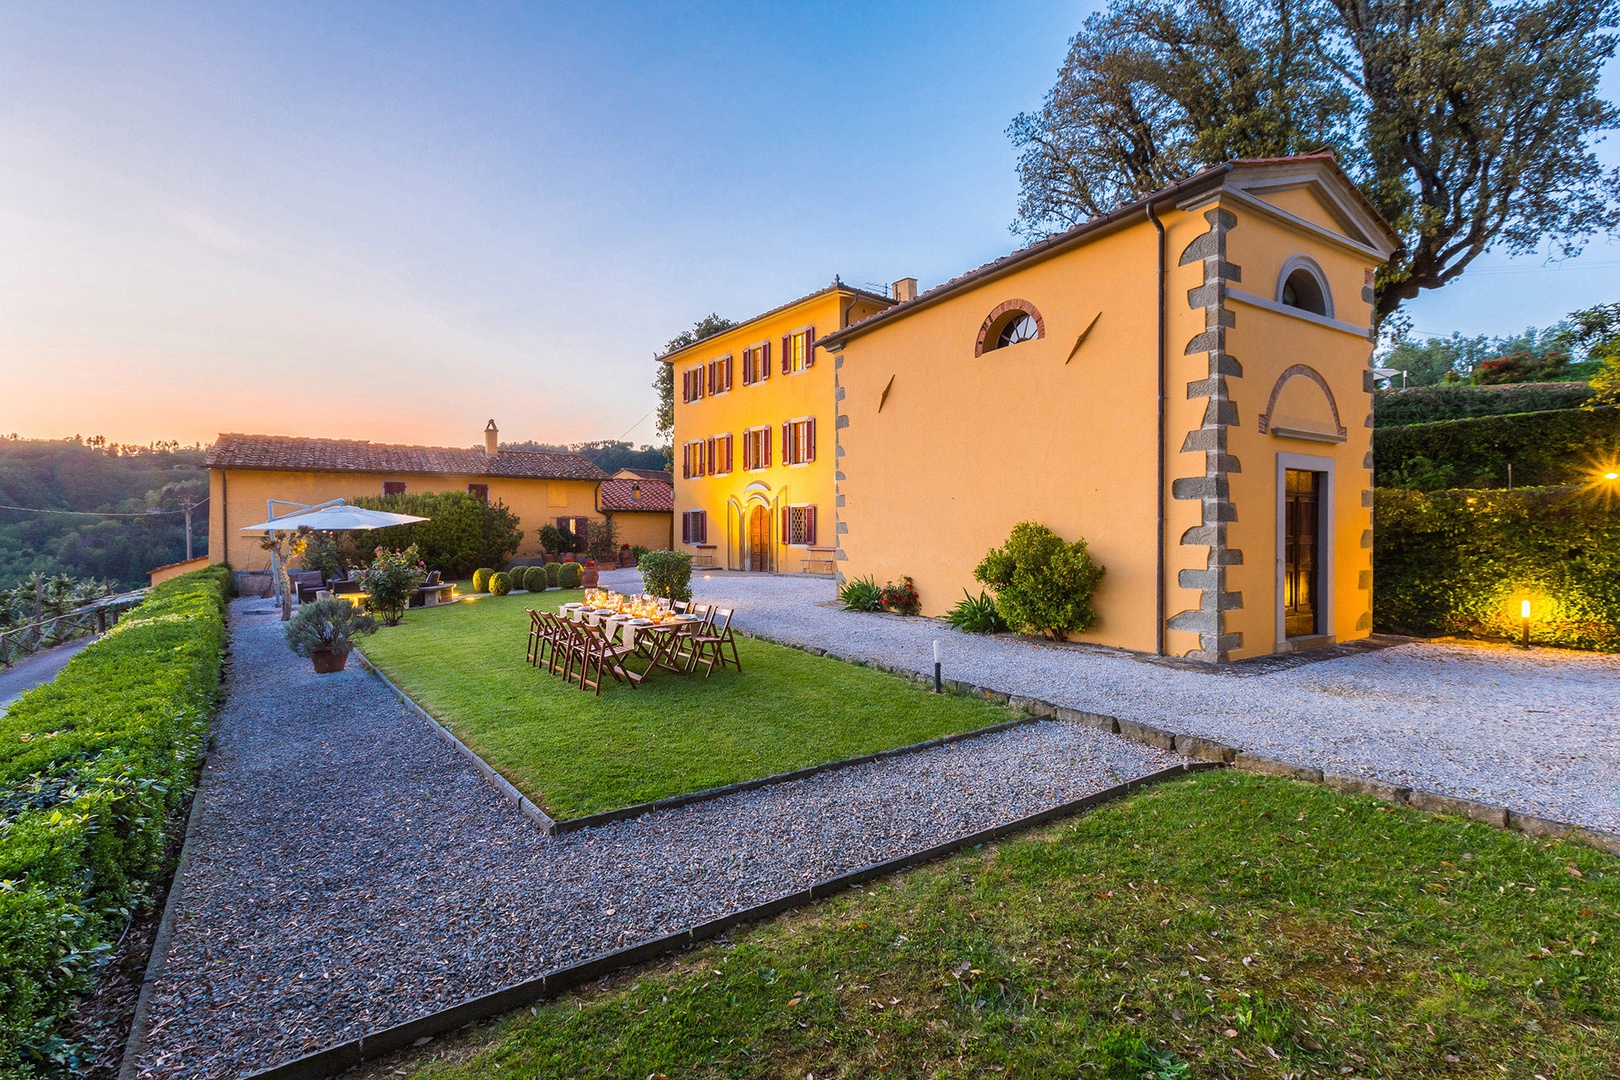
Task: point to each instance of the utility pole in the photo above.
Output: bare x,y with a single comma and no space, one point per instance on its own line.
187,505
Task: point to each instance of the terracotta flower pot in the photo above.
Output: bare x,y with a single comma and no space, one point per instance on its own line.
590,576
328,660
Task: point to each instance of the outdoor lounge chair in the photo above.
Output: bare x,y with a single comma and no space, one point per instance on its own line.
307,583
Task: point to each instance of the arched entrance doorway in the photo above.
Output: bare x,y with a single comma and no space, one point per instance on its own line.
757,539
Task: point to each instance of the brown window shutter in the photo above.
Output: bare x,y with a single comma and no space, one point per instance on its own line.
809,347
686,460
767,432
700,526
728,373
746,464
810,439
748,366
765,361
582,527
788,456
686,526
562,523
708,456
810,525
787,353
787,535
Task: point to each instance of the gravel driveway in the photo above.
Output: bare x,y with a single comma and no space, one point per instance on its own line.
350,871
1536,731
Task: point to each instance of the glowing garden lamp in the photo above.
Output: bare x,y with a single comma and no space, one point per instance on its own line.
1524,617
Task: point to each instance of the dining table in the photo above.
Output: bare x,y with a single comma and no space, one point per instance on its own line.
657,640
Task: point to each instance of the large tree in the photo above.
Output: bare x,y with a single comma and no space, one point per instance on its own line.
1469,124
664,377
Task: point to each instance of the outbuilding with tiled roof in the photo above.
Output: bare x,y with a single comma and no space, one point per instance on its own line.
248,471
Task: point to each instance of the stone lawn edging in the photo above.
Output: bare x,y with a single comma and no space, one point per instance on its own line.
1199,748
335,1059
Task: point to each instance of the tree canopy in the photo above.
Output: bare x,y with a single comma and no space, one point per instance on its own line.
664,377
1468,123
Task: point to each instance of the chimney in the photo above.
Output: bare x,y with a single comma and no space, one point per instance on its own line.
905,289
492,437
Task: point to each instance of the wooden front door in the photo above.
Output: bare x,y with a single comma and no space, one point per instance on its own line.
759,539
1301,553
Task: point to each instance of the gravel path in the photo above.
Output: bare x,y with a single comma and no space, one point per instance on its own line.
1536,731
350,871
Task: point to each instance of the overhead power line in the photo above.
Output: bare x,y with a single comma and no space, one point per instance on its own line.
103,513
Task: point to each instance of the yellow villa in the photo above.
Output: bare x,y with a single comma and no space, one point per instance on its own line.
754,472
1184,383
245,471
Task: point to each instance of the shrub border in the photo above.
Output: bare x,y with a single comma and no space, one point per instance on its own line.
346,1055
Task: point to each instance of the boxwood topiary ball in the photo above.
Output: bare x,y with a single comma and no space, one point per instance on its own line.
554,574
570,575
534,578
500,584
480,579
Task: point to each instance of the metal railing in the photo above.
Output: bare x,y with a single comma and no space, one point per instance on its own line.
23,641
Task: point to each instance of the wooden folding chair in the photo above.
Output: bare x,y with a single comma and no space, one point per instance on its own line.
685,648
539,637
567,649
710,643
602,654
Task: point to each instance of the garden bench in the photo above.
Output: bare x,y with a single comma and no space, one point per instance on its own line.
820,560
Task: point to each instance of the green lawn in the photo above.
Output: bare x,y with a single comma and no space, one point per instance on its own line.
1227,925
575,754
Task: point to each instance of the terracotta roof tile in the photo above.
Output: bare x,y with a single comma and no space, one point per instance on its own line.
292,453
651,474
656,495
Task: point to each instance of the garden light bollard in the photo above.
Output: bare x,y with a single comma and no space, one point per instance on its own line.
1524,616
938,686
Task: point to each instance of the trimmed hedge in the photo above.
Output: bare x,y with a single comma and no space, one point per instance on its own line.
461,534
1459,401
500,583
534,578
570,575
554,574
1459,562
1546,448
92,768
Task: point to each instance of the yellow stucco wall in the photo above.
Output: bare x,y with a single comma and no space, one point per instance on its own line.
639,528
729,497
964,447
237,498
1269,343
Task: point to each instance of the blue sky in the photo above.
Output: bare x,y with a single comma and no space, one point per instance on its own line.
394,221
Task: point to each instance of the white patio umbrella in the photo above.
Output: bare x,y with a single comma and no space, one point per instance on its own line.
333,516
340,517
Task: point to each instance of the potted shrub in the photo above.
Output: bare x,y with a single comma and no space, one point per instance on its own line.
324,631
591,575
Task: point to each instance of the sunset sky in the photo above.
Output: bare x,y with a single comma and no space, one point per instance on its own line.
396,221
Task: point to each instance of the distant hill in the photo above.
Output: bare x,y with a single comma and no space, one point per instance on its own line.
96,476
609,455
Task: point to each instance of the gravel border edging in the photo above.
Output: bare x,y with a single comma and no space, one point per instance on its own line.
156,960
335,1059
608,817
1199,748
524,804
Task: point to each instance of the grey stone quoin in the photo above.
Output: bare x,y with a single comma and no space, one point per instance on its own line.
1212,490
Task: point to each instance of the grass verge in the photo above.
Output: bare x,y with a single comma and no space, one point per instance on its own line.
575,754
1225,925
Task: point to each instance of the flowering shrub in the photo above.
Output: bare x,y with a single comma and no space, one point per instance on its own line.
389,580
902,598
